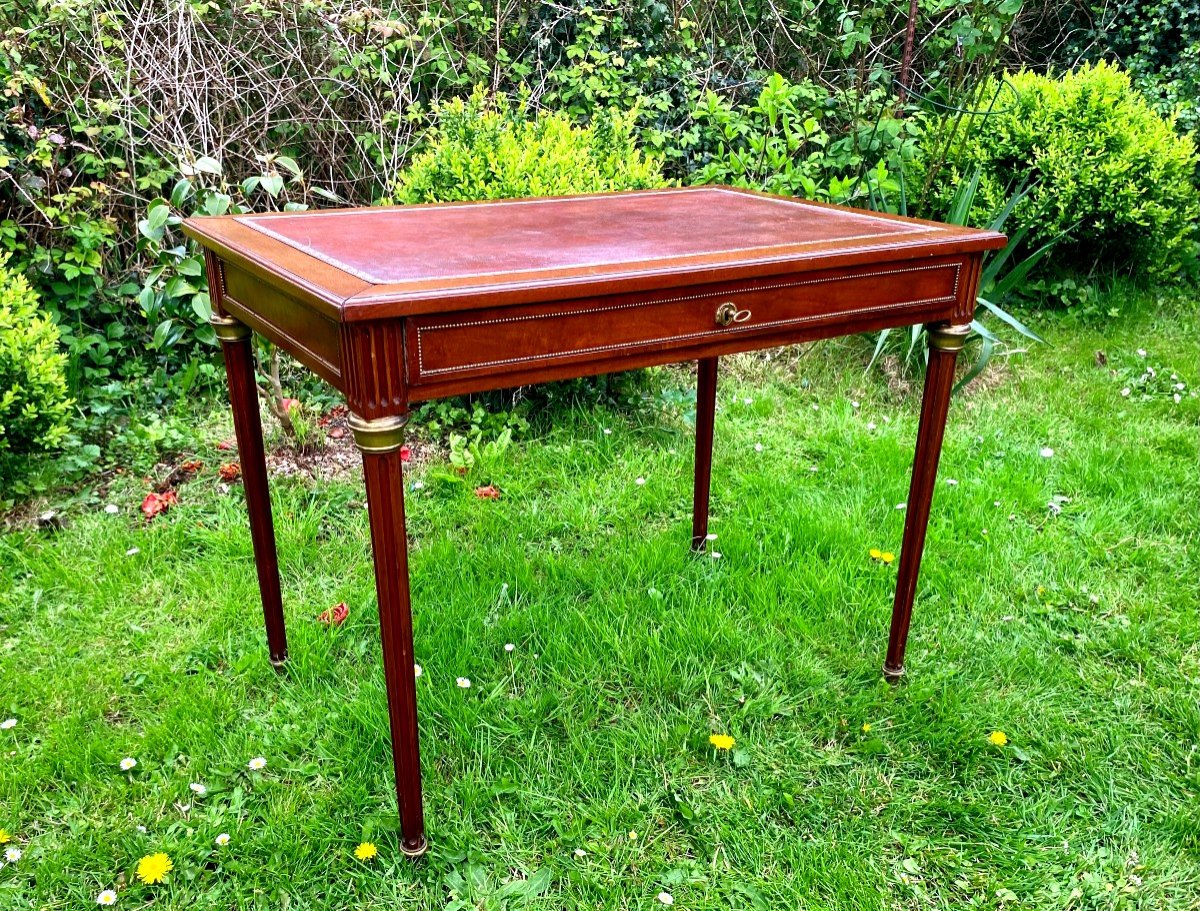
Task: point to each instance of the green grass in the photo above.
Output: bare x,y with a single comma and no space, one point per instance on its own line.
1077,634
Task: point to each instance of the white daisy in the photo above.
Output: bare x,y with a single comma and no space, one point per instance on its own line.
870,425
666,898
8,724
12,855
417,670
1125,392
711,536
418,485
107,897
902,506
128,763
640,481
508,646
133,551
258,762
198,788
464,683
758,447
222,840
715,554
608,431
952,482
1046,452
112,509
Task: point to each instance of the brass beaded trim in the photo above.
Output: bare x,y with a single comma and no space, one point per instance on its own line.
229,329
948,338
379,435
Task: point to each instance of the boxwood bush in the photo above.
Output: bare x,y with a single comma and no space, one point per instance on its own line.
33,385
1109,178
498,148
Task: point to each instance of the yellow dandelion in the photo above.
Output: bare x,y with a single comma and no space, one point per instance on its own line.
997,738
365,851
153,868
866,727
632,835
887,556
876,553
721,741
5,838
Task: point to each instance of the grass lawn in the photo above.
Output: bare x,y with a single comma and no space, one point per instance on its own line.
575,772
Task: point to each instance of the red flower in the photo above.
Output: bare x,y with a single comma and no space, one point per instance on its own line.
286,405
405,453
336,615
487,493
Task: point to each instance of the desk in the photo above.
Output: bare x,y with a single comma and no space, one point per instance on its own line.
399,305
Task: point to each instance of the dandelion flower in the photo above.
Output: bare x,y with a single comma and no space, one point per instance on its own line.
632,835
4,836
866,728
876,553
887,556
153,868
107,897
365,851
464,683
258,762
12,855
666,898
721,741
222,840
997,738
128,763
8,724
197,788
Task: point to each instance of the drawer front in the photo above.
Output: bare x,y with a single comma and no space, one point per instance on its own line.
516,339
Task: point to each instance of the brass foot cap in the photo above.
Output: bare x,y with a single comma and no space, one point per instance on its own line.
414,850
893,674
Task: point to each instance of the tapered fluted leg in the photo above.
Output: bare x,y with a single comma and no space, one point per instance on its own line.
243,396
944,344
380,441
706,406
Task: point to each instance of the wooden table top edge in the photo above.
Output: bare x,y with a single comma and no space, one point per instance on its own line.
346,297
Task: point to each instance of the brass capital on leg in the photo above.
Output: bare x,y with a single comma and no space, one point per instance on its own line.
229,329
378,435
948,338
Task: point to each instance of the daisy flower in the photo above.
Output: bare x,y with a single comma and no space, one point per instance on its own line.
107,897
222,840
128,763
197,788
666,898
508,646
258,762
8,724
365,851
417,670
463,682
12,855
153,868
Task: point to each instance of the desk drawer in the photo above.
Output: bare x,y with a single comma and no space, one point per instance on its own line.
517,339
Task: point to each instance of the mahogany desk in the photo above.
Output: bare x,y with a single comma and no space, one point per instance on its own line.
398,305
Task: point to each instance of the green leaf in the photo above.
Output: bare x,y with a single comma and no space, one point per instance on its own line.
206,165
289,165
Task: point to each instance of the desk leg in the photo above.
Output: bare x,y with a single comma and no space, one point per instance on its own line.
945,341
706,406
243,396
380,442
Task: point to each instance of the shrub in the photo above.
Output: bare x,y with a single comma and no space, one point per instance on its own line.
33,385
493,148
1109,178
799,140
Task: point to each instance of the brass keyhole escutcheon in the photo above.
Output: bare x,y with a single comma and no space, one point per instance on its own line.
728,314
